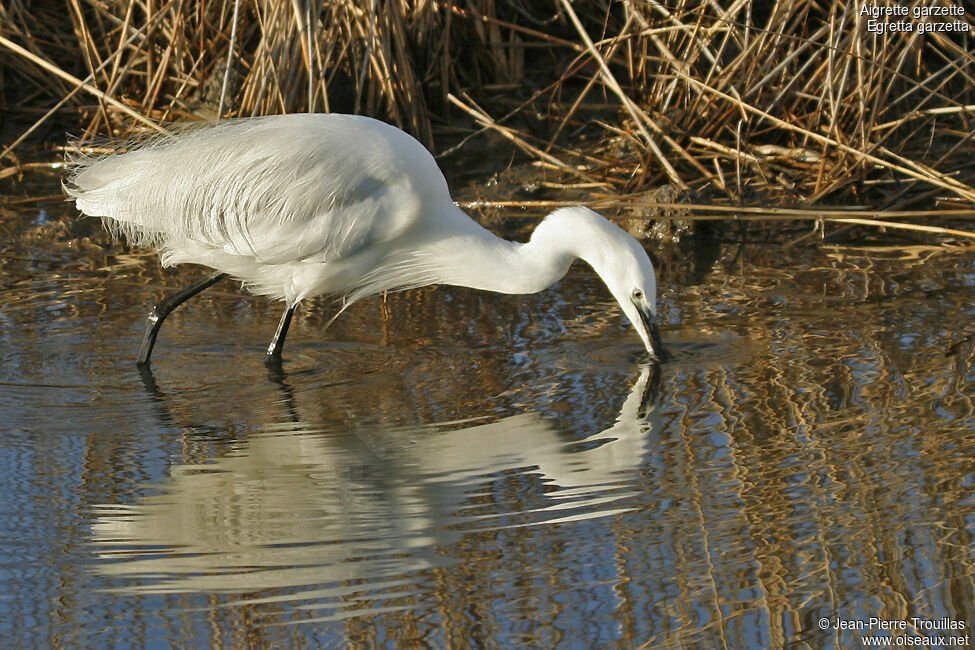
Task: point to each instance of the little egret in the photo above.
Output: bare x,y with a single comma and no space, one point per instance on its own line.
295,206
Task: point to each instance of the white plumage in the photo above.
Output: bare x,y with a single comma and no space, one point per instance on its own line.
308,204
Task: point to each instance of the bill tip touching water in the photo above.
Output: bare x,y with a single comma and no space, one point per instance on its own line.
296,206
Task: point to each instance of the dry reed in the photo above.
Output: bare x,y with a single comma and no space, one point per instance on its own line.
795,102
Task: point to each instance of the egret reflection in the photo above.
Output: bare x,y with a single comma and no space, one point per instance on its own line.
293,506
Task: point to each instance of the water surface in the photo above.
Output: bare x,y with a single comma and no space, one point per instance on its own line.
452,468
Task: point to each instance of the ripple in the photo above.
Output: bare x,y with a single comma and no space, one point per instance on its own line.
622,352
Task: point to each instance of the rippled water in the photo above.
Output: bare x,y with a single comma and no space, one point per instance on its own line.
453,468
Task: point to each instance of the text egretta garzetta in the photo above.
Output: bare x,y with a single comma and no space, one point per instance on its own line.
302,205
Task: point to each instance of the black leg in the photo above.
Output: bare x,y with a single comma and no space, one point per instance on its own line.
277,344
163,308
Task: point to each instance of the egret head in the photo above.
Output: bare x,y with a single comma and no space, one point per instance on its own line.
631,279
623,264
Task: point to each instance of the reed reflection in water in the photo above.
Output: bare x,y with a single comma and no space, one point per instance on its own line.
452,468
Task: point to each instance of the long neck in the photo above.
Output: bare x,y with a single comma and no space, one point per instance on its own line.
474,257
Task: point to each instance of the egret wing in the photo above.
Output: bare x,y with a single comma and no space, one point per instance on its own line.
283,189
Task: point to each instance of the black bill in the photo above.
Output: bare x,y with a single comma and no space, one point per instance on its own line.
653,331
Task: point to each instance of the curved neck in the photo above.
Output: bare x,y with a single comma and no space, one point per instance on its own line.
476,258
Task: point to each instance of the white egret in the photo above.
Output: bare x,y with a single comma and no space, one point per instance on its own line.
295,206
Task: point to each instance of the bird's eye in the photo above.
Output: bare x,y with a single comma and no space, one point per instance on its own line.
637,294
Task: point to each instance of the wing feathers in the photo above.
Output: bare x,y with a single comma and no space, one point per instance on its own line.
283,189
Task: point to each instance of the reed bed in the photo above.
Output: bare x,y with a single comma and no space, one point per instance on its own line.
796,103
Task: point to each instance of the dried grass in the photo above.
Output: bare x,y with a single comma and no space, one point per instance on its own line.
744,102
